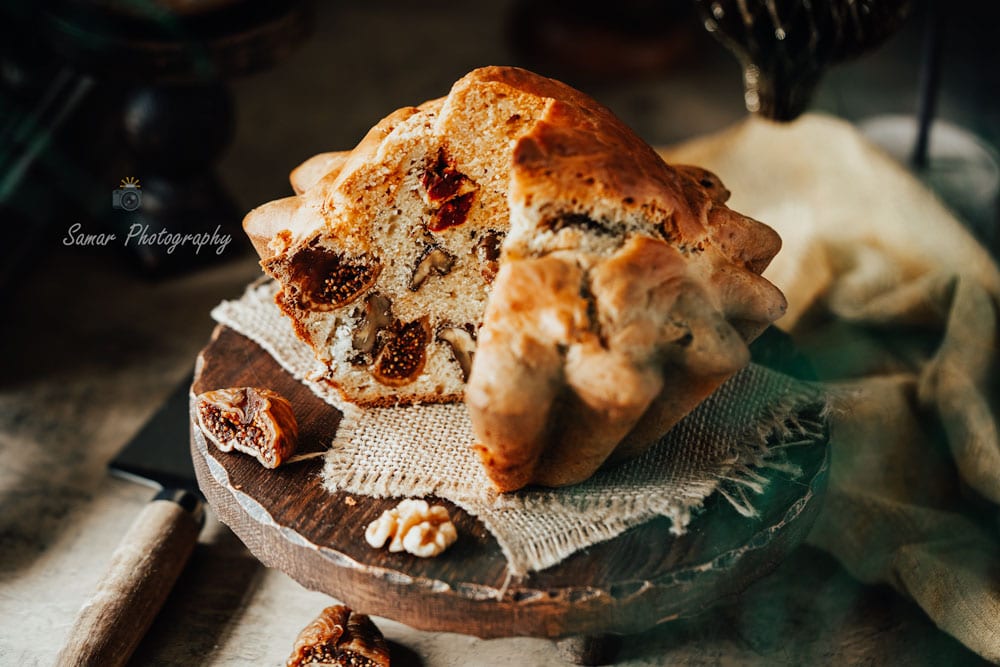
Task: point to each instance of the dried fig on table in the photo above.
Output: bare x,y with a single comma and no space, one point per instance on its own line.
339,637
252,420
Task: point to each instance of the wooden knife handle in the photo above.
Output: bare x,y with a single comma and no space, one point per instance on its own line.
143,570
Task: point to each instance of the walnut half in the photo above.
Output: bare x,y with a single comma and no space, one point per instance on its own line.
434,261
415,527
463,347
338,637
252,420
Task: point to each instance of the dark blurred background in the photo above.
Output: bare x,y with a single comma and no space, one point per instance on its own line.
210,104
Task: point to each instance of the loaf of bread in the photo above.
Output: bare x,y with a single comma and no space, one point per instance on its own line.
517,245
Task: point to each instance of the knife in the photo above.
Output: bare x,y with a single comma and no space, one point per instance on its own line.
151,555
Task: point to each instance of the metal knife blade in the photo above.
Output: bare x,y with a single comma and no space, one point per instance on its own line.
158,454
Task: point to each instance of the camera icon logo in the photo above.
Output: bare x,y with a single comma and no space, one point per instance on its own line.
128,196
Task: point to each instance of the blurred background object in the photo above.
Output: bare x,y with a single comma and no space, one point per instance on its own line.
953,162
96,91
594,40
960,167
785,46
100,91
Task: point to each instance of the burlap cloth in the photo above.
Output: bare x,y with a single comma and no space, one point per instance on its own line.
424,450
896,304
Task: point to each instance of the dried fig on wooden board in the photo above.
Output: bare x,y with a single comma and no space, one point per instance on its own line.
252,420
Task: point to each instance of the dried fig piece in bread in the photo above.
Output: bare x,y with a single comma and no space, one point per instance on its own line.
403,356
442,181
252,420
321,279
449,192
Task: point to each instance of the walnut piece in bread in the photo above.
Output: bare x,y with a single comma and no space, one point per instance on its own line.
339,637
516,245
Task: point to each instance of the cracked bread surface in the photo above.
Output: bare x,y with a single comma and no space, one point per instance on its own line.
515,244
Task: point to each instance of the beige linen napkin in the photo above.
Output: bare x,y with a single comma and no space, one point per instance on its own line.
896,304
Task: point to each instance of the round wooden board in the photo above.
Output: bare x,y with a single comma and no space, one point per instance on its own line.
626,585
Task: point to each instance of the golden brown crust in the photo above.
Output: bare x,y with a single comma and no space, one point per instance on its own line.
625,292
310,172
390,401
269,226
670,279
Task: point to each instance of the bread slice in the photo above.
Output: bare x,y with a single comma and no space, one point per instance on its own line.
516,235
385,259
